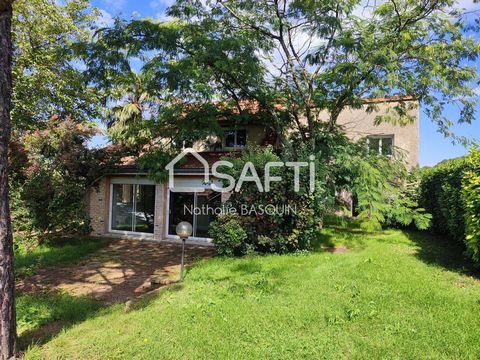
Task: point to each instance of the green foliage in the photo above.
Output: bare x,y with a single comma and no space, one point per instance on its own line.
280,220
229,236
385,192
441,195
403,209
51,171
451,192
309,56
47,71
471,196
55,201
387,195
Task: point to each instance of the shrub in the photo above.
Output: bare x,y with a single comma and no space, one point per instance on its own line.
229,236
280,220
441,196
48,180
404,209
50,170
471,197
386,193
450,191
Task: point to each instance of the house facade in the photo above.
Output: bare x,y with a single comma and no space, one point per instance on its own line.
128,204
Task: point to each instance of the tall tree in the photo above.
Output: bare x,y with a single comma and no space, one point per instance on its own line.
314,57
46,66
7,280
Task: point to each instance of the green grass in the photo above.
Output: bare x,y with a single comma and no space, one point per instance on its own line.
57,310
394,295
55,252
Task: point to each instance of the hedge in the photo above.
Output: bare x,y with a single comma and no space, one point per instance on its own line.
450,192
471,196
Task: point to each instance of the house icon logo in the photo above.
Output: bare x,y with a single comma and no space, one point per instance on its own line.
171,172
248,174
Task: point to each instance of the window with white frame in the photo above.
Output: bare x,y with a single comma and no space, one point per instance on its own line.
382,145
132,207
235,138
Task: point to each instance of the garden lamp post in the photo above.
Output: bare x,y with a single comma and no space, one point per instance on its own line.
184,230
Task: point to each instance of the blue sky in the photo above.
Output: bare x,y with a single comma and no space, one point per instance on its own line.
433,146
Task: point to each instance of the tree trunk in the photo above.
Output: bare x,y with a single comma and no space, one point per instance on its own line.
8,331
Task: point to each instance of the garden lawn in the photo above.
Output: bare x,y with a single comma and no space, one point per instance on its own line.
393,295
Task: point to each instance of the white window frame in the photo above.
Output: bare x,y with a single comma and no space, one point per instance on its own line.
167,222
128,181
236,146
193,183
380,140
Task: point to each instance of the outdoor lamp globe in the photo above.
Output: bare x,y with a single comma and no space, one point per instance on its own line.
184,229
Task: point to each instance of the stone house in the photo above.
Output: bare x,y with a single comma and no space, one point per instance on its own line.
127,203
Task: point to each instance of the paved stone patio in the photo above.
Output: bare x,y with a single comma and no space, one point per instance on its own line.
122,270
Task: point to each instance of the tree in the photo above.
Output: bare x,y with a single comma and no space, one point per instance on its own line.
8,331
46,66
313,57
127,121
294,66
51,169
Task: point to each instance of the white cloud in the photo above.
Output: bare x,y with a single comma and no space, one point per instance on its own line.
163,17
468,5
106,19
160,4
116,5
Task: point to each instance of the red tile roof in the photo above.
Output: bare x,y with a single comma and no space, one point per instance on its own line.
389,99
253,107
191,162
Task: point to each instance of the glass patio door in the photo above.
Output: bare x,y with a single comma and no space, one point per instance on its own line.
181,209
133,208
196,208
206,202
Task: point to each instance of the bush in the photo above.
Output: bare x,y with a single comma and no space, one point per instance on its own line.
50,170
48,181
471,197
441,196
385,192
280,220
450,191
403,210
229,236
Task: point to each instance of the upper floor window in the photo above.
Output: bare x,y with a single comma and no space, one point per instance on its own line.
235,138
185,143
382,145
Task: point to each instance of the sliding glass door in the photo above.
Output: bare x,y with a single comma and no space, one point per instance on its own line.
133,208
196,208
181,205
